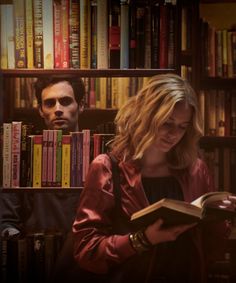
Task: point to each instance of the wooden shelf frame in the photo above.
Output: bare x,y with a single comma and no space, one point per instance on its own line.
6,73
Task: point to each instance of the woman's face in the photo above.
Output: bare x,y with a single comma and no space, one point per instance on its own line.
172,131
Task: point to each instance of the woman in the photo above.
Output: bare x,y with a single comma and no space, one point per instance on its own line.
157,151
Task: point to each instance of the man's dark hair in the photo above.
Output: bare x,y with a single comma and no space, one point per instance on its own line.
76,83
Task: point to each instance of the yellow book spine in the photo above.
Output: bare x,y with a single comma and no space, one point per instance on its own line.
37,161
66,154
29,33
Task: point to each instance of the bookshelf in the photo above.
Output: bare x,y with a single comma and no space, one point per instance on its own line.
90,118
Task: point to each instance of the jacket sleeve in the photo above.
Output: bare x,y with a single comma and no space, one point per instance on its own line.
96,248
215,234
15,208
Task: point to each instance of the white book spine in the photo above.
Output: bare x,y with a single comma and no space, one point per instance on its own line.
16,151
102,34
48,34
10,38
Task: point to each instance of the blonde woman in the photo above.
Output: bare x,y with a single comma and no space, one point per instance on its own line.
156,146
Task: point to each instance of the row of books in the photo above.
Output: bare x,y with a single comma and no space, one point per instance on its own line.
50,159
101,93
222,164
218,108
30,258
218,48
88,34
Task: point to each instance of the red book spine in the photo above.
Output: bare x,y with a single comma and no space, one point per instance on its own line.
65,33
57,33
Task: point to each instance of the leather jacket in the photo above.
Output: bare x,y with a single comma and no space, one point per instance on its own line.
97,249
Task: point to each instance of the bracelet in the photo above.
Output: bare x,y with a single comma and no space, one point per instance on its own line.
139,241
143,238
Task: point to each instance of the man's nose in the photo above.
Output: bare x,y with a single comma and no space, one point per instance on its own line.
58,108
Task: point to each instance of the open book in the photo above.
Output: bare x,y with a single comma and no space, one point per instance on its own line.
210,206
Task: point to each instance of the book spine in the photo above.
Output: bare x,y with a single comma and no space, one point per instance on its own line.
45,158
79,168
132,36
4,253
38,33
4,60
66,161
7,139
54,166
92,93
65,33
140,36
74,34
147,28
103,92
102,34
86,153
114,34
85,25
94,34
20,44
220,113
163,55
224,53
124,35
50,159
229,54
48,55
37,161
219,56
30,151
29,33
16,150
73,160
24,162
22,260
58,158
10,38
171,37
57,33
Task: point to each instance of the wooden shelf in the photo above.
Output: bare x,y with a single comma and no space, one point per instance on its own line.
212,141
88,119
218,83
217,1
41,190
85,72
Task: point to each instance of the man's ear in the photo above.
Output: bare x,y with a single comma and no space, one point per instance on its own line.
40,111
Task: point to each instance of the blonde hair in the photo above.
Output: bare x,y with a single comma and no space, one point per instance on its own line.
138,121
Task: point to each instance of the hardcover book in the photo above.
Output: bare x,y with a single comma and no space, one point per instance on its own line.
210,206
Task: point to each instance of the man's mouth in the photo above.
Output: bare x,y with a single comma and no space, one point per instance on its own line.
59,121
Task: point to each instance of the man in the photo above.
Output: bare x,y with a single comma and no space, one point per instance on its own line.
60,101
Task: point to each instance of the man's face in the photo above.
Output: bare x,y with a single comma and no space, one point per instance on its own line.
59,107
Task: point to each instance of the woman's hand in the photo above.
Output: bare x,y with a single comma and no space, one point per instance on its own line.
156,234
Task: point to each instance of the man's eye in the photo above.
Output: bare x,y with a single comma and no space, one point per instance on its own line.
65,101
49,102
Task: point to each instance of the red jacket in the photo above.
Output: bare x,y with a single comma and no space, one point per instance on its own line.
95,248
